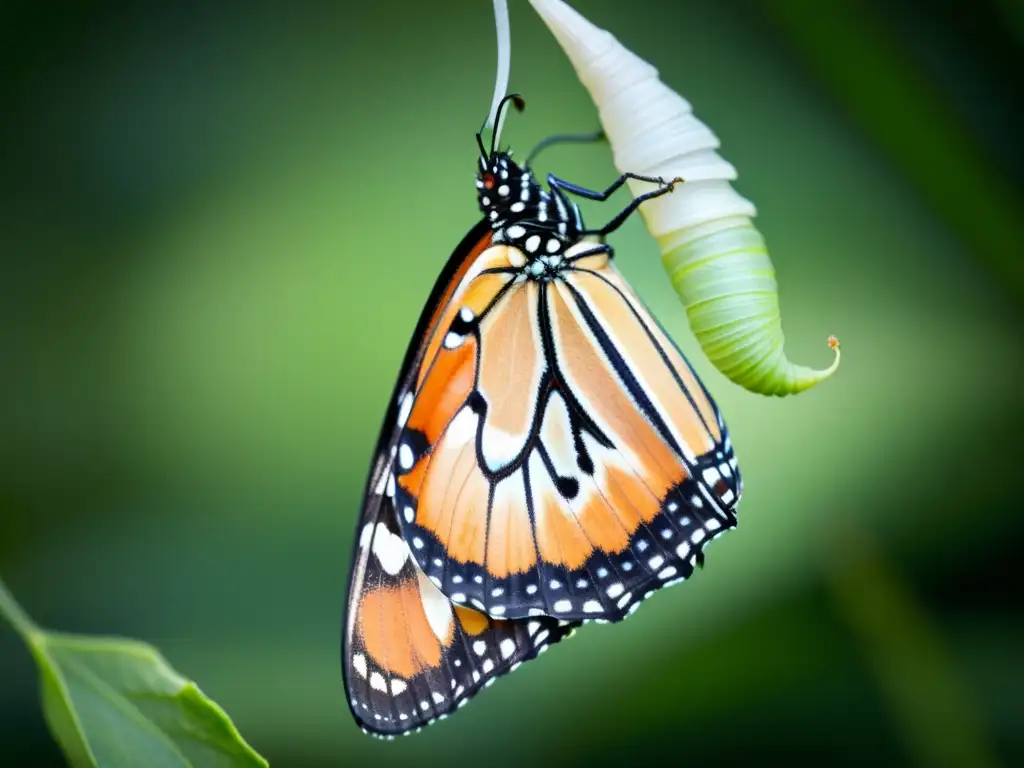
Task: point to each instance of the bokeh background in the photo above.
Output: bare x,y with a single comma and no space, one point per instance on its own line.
219,222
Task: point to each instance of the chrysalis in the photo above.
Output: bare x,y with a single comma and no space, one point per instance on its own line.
713,254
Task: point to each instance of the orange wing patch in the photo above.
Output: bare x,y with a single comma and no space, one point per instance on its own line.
708,419
511,365
560,539
395,631
445,391
453,502
590,379
632,341
474,291
510,541
472,622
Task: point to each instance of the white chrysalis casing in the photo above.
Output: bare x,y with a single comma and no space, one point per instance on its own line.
714,256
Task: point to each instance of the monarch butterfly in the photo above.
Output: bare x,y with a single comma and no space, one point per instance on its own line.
716,259
548,457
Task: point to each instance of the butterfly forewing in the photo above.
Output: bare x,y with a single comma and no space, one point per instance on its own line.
561,458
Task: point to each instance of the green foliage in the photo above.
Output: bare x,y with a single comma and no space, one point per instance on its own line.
117,702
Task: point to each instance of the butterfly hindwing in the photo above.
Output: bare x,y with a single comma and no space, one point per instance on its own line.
561,457
411,656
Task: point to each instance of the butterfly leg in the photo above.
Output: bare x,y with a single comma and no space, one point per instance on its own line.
562,138
665,186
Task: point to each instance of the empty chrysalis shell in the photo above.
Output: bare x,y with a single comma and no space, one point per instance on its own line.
715,257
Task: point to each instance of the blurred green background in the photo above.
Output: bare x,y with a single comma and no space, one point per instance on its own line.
219,222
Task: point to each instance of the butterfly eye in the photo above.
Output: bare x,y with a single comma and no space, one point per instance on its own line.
488,181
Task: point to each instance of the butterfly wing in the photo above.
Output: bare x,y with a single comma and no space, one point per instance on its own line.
409,656
561,457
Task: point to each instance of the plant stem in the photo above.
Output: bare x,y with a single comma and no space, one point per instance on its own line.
15,615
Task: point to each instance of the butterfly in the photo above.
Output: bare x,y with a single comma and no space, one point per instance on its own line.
548,457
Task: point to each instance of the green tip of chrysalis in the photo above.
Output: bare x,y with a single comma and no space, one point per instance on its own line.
725,279
791,379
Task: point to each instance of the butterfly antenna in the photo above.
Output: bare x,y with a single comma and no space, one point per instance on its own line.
520,105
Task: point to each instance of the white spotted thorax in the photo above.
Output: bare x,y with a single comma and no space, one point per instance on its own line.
541,225
716,259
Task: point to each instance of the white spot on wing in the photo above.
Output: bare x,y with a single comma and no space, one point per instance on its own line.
377,682
359,662
365,536
404,409
508,647
391,550
437,608
405,456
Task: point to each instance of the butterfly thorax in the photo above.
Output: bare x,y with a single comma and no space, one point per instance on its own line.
542,223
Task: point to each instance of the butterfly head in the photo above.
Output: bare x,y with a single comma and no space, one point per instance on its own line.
500,185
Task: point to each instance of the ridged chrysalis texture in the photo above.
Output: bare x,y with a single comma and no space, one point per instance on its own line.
714,256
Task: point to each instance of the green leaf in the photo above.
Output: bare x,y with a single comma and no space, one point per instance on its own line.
117,702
